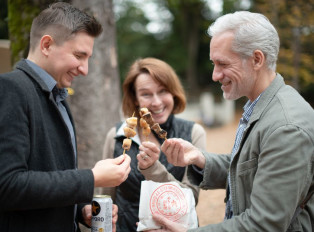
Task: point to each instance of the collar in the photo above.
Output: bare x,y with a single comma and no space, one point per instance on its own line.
60,94
267,97
168,124
120,133
248,108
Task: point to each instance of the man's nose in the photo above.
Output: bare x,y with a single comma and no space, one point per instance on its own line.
217,74
83,68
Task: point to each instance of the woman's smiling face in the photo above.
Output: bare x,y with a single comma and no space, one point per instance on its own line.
154,96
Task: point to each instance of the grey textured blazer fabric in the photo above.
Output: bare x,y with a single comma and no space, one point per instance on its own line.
273,169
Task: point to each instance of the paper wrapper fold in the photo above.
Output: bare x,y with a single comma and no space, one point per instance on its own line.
168,199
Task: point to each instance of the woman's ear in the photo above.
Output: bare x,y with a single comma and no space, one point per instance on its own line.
45,44
258,59
136,102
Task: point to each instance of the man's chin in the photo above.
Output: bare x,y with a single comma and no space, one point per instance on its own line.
230,97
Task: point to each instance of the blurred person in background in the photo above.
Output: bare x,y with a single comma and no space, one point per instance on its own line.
153,84
41,188
269,173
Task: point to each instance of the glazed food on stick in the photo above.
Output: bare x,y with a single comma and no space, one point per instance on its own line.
143,124
147,121
145,127
129,131
160,132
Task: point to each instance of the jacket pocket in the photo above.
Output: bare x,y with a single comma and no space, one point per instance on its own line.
247,167
245,175
295,226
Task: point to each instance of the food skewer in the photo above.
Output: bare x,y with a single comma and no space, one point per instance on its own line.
143,124
145,128
129,131
147,121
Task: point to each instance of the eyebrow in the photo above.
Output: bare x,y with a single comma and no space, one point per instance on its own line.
219,60
143,88
147,89
81,53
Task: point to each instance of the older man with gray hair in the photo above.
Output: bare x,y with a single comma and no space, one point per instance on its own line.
269,172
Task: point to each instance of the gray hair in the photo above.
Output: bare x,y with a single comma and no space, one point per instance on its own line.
252,31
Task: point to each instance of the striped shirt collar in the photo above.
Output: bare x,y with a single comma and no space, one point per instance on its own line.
248,109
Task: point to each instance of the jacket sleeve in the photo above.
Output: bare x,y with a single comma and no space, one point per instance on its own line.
20,187
282,179
157,172
216,166
108,154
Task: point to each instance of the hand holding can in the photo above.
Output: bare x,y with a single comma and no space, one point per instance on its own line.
101,214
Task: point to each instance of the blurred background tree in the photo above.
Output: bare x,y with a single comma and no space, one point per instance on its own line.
177,35
182,41
176,31
295,23
20,16
95,104
172,30
4,31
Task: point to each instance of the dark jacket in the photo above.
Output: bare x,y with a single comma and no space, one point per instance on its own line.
39,183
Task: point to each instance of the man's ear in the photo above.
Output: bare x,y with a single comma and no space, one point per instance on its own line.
45,44
258,59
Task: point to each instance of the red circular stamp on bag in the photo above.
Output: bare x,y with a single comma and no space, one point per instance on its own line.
168,200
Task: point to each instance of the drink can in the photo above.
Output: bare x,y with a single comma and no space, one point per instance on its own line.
101,214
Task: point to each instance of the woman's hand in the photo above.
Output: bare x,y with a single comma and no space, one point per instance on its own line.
149,153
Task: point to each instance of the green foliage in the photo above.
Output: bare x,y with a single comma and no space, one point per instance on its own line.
20,17
188,24
294,21
133,39
4,31
20,14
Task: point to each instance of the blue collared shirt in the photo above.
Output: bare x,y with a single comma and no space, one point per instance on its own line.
60,95
248,109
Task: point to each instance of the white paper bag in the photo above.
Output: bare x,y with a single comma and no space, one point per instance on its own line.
168,199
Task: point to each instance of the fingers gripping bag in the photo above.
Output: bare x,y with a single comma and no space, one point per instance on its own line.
168,199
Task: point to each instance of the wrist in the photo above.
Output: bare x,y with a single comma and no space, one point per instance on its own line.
200,160
96,182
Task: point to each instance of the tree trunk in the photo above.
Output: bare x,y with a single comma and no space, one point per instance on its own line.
96,100
188,14
192,48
